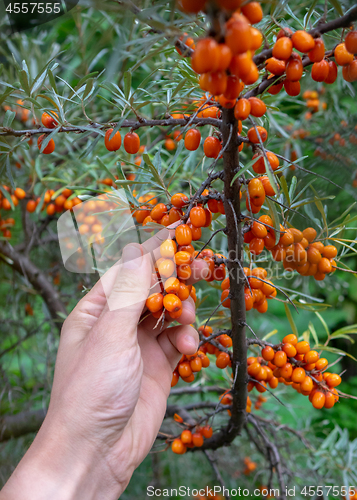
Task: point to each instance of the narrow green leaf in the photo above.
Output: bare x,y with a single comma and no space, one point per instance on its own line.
8,118
52,80
127,84
284,187
24,81
271,176
88,88
291,320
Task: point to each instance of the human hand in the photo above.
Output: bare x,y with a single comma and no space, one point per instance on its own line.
112,380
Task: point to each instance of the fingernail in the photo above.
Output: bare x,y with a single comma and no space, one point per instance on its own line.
191,342
132,257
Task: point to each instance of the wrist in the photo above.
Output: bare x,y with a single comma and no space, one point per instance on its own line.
60,468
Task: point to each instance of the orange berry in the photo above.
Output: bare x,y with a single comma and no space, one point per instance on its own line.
283,48
253,134
198,216
50,146
20,193
217,82
310,234
212,147
302,347
258,107
48,121
318,400
318,52
333,380
324,266
179,200
311,357
192,140
292,88
342,56
280,358
294,69
183,234
307,384
238,36
206,56
332,73
242,109
320,71
223,360
30,207
186,437
321,364
183,258
329,251
191,6
177,445
197,439
303,41
289,350
268,353
275,66
351,42
113,143
158,211
154,302
298,375
131,143
253,12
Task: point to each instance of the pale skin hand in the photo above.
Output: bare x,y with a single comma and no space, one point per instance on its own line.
111,384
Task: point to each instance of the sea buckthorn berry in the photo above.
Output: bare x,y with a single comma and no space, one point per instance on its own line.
141,214
226,103
256,191
184,271
168,249
225,340
226,301
241,66
268,188
302,347
292,88
183,234
48,121
342,56
249,301
289,350
183,292
286,370
313,255
197,439
207,431
318,400
311,357
184,369
253,134
310,234
330,400
20,194
112,143
307,384
166,268
217,82
258,107
212,147
132,143
195,231
183,258
333,380
172,285
298,375
321,364
324,266
256,246
223,360
206,56
175,378
259,165
303,41
294,69
191,6
234,87
351,42
158,211
275,66
196,365
253,12
177,445
154,302
332,73
198,216
268,353
238,36
242,109
329,251
280,358
186,437
256,39
319,71
259,230
283,48
192,140
297,234
225,56
179,200
50,146
253,369
318,52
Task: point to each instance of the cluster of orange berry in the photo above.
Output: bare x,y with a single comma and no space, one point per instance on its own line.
313,103
294,363
57,205
258,189
113,141
189,439
6,225
250,466
257,292
298,251
188,365
226,67
223,359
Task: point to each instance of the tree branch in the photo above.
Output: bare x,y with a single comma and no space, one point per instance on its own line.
14,426
38,280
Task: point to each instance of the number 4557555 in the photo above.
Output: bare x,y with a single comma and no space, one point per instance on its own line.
39,8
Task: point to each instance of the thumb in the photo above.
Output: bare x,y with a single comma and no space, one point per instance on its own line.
126,296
